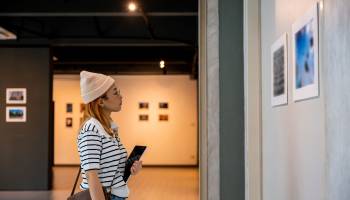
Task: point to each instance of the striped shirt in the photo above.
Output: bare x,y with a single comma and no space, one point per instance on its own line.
100,151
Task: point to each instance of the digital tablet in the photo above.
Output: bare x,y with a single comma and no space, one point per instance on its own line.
134,155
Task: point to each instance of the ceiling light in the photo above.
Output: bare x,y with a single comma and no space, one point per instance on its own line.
132,6
162,64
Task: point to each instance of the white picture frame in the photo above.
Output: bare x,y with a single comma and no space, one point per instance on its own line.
16,95
279,71
305,56
16,114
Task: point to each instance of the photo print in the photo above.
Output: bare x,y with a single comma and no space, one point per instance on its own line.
16,95
16,114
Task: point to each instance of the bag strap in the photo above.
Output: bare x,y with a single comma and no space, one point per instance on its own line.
76,180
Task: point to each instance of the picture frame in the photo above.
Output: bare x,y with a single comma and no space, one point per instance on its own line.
69,122
16,114
143,105
69,108
163,117
143,117
279,71
16,95
305,56
163,105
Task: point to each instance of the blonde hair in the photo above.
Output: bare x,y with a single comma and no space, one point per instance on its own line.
92,109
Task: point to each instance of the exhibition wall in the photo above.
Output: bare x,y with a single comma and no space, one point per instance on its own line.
172,142
24,145
293,134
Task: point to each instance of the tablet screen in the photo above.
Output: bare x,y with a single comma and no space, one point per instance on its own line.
134,155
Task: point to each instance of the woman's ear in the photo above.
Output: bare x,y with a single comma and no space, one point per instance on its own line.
100,102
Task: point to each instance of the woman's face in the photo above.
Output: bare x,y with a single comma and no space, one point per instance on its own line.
113,102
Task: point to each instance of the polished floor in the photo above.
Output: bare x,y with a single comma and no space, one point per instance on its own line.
152,183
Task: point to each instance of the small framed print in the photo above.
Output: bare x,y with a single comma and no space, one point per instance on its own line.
163,105
279,72
69,107
143,117
143,105
16,95
16,114
305,56
69,122
163,118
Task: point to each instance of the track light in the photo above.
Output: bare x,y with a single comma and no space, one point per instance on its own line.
162,64
132,7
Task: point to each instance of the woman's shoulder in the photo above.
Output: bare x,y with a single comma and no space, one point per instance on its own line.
91,126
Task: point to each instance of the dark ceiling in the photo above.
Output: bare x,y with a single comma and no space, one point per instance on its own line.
101,35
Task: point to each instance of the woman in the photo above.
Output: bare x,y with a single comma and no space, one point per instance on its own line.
102,155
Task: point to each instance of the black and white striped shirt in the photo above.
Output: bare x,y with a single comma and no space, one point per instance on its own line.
100,151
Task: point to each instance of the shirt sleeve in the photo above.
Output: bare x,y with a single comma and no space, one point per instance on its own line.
90,147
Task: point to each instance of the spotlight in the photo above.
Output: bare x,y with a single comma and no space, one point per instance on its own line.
162,64
132,6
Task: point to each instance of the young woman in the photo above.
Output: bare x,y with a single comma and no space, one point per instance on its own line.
102,155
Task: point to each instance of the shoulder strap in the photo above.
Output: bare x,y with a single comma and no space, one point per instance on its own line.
76,180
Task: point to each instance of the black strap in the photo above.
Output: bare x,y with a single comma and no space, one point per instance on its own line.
76,180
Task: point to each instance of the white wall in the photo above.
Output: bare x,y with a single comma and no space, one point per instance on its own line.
293,135
169,143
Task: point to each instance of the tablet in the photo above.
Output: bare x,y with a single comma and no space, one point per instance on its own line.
135,155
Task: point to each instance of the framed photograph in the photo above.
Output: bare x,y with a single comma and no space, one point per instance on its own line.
143,117
163,105
305,56
279,72
69,122
163,118
16,95
69,107
143,105
16,114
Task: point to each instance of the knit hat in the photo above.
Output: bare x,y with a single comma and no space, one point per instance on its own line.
93,85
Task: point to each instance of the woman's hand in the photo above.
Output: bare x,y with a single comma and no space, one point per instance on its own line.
136,167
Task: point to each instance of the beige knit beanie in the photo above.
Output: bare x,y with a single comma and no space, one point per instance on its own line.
93,85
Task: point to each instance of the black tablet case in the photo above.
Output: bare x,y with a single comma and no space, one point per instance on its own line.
135,155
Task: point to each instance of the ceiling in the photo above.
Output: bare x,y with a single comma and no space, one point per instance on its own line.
103,36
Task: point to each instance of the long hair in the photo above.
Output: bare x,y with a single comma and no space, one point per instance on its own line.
92,109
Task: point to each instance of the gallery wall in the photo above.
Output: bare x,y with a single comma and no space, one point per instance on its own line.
172,142
24,146
293,135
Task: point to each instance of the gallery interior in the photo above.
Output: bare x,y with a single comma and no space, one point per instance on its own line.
234,99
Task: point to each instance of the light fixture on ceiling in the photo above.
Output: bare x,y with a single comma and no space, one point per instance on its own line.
132,6
162,64
6,35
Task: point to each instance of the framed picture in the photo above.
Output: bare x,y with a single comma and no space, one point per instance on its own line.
163,118
163,105
69,122
143,117
279,72
16,114
143,105
69,107
16,95
305,56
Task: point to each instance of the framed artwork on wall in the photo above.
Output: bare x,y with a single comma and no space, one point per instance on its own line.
163,117
279,72
164,105
69,122
143,105
16,114
305,56
16,95
143,117
69,107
